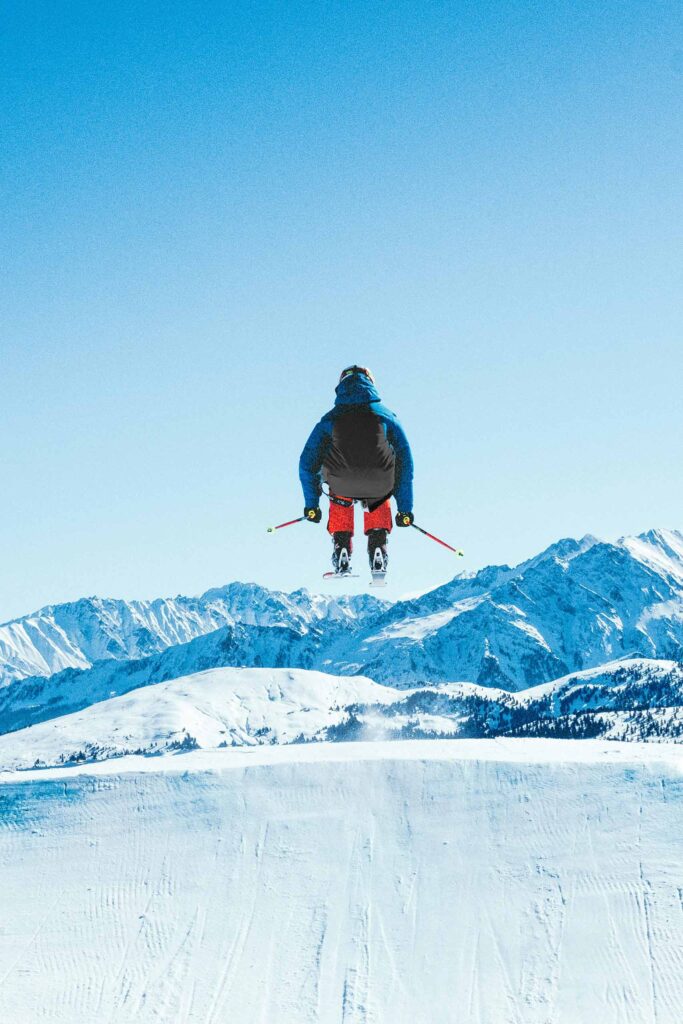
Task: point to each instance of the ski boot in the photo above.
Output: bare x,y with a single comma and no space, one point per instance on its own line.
341,555
377,554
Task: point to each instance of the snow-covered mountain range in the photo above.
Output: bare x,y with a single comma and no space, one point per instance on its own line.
80,633
574,606
454,658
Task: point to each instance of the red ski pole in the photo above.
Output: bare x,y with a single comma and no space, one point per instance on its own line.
272,529
457,551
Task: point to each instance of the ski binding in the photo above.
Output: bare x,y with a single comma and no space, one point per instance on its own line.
378,569
343,567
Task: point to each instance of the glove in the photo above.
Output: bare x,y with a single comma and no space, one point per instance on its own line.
313,515
404,518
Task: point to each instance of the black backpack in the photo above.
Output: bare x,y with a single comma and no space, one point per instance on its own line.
360,462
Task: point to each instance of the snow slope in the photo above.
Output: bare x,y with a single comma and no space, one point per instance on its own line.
26,701
477,882
216,708
635,700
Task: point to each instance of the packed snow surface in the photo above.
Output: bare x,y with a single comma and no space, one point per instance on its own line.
486,882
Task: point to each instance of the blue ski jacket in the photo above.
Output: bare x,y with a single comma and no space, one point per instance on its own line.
356,391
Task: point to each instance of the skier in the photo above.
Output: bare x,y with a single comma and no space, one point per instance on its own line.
360,451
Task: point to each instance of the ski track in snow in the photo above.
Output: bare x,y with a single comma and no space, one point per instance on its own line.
411,884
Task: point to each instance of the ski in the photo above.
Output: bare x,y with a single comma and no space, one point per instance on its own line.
378,579
340,575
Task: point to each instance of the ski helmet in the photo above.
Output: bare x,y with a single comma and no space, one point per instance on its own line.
350,370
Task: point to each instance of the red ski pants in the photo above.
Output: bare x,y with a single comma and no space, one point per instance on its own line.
341,517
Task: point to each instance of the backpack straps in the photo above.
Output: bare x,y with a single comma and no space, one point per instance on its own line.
379,501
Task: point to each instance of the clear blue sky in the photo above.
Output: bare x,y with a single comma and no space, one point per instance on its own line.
208,209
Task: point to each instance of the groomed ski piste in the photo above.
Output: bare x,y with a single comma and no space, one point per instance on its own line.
524,881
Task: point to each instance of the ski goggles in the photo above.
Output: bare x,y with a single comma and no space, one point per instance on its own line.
350,370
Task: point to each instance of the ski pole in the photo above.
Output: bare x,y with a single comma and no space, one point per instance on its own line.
438,541
272,529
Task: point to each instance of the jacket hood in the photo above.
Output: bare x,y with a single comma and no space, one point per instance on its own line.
356,390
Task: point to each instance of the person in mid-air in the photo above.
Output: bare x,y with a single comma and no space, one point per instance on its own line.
360,451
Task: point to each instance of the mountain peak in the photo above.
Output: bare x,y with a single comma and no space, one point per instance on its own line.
659,549
563,551
672,540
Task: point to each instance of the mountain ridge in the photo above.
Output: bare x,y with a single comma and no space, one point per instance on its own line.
78,634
